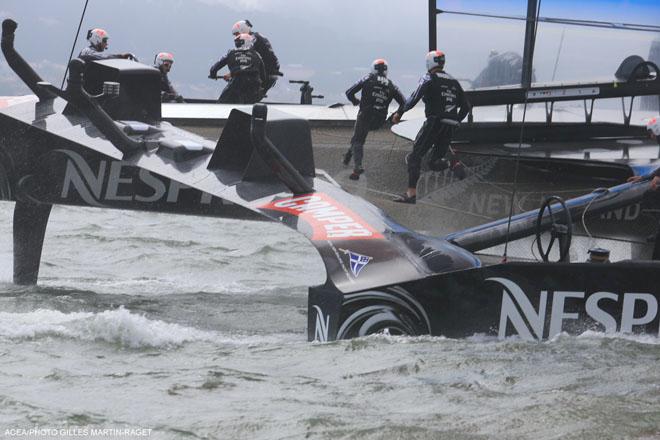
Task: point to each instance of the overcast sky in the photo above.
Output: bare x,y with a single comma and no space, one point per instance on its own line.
329,42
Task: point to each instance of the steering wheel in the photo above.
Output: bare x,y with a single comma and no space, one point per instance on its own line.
562,232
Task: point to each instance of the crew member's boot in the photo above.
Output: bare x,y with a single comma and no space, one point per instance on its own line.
355,175
347,157
458,169
405,198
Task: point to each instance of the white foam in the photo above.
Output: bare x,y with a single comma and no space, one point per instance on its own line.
122,327
115,326
639,338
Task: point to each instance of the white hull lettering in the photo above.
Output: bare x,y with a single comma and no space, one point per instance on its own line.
95,188
528,322
322,325
558,314
628,319
510,313
599,314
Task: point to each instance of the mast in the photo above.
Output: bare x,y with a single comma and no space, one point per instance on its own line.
433,25
530,40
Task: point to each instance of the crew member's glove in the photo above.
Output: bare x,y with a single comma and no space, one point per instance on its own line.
396,118
655,180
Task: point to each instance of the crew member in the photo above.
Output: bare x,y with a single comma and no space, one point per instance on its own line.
445,107
98,43
246,72
377,94
163,62
265,50
653,129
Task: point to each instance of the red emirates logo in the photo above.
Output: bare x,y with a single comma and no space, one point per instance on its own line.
329,219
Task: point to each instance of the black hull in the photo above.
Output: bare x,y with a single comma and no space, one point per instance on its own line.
529,300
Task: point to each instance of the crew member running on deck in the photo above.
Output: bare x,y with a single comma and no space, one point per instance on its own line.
265,50
163,62
246,72
98,43
445,107
377,94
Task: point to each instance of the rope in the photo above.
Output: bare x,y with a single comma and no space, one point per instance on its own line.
73,47
584,213
522,129
568,21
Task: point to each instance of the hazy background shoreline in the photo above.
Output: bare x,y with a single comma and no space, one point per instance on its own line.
330,43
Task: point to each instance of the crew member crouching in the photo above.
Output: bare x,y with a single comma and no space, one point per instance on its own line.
375,98
445,106
246,73
264,49
163,62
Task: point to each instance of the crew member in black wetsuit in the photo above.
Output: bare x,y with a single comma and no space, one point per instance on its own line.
163,62
98,43
653,128
445,107
264,49
377,94
246,72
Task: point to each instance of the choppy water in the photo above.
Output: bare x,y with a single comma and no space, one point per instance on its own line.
195,328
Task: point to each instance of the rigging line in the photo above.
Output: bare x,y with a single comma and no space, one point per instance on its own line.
396,139
73,47
568,21
561,44
584,215
522,129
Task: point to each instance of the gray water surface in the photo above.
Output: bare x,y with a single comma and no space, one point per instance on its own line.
196,328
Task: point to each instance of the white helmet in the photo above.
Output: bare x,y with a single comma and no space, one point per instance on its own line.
241,27
379,67
653,126
435,58
163,57
244,41
97,36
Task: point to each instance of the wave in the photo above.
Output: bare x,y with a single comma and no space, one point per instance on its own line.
514,341
118,326
126,329
646,339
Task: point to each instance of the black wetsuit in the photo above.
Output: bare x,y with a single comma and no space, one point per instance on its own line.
91,54
446,106
655,195
271,63
377,94
247,76
167,92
